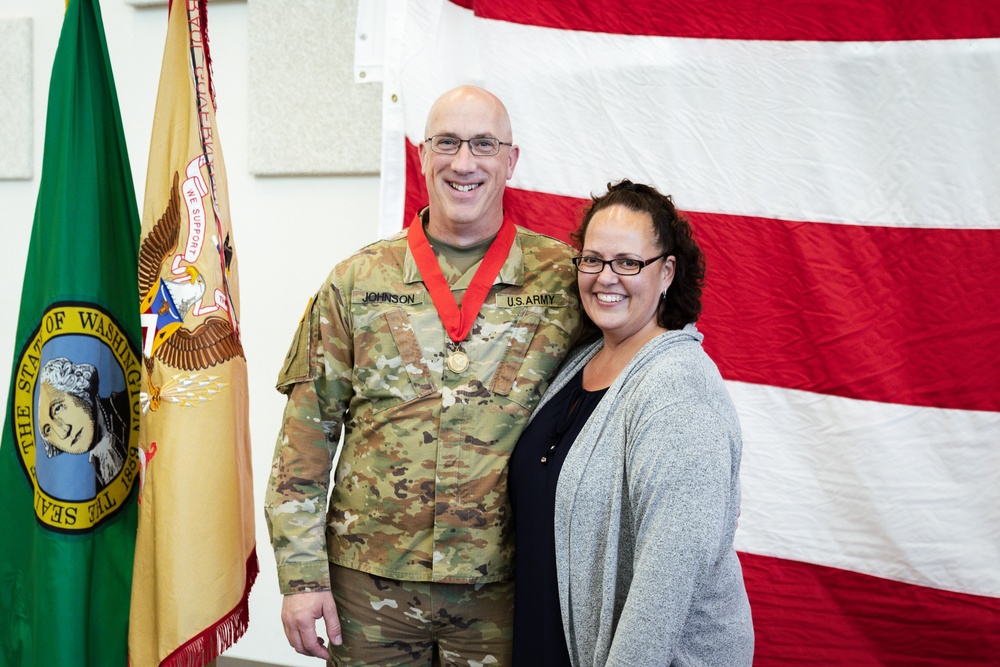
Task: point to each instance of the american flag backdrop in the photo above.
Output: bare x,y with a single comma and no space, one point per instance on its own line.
840,162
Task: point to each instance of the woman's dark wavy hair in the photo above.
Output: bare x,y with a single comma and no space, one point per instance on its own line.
675,237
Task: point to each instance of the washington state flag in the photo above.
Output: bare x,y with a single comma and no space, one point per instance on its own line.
68,458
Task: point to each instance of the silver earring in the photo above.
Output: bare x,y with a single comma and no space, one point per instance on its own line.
663,295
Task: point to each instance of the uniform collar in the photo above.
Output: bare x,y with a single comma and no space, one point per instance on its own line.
511,273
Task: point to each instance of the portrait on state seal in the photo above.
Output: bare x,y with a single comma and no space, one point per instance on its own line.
74,418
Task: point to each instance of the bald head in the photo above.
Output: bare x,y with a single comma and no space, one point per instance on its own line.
465,191
471,97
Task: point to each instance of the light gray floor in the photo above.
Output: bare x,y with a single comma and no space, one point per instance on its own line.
223,661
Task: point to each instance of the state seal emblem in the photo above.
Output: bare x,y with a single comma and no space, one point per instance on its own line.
75,412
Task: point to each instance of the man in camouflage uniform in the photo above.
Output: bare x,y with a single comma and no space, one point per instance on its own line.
415,547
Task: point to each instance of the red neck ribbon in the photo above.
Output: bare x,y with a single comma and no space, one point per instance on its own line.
458,321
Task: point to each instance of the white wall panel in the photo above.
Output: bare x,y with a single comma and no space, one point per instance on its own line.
15,99
307,115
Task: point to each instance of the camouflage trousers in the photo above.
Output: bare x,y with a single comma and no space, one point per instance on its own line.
389,623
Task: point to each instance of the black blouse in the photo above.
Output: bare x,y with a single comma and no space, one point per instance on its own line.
539,640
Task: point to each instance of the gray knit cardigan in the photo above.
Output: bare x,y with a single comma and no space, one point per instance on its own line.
646,508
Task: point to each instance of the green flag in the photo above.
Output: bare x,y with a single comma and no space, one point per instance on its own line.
68,463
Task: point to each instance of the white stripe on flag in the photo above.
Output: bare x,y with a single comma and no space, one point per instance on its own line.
895,491
884,133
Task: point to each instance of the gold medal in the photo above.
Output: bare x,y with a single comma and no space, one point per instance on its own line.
457,361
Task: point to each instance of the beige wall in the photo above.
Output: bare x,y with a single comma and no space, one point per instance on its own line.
289,231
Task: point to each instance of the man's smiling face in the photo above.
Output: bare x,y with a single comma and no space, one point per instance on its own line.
466,191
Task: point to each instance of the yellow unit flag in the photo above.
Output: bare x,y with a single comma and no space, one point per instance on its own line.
195,557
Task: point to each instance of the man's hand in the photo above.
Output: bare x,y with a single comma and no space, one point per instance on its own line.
299,613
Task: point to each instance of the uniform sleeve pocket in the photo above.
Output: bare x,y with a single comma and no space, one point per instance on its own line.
296,367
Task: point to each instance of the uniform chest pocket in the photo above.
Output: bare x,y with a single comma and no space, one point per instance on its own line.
535,347
388,366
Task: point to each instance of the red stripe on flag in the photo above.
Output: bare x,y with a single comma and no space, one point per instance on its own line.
884,314
549,214
416,188
895,315
786,20
807,614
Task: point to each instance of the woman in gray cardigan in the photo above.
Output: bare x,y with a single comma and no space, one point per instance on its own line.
625,485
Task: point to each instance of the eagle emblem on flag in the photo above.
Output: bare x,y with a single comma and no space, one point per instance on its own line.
173,291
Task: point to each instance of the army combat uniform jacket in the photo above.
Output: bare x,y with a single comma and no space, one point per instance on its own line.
421,481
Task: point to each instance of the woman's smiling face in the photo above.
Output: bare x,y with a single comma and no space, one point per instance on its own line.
624,306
